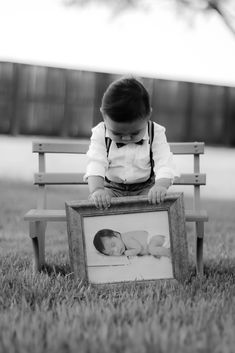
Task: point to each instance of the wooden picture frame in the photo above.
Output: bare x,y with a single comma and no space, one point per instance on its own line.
130,214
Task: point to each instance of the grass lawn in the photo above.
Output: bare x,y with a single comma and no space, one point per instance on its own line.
52,313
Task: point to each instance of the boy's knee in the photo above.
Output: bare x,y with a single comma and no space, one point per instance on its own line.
157,240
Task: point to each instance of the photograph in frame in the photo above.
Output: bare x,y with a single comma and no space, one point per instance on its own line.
140,242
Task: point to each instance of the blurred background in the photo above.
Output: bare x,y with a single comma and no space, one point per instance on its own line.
58,57
39,100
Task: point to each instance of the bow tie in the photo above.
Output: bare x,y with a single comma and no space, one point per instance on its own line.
119,144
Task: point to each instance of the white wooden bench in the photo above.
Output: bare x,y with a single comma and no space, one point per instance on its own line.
39,217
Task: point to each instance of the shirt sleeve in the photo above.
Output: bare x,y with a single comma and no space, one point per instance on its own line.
97,161
164,166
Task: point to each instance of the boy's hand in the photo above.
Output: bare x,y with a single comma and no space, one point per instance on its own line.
157,194
132,252
101,198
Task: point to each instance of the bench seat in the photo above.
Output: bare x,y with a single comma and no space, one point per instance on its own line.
60,215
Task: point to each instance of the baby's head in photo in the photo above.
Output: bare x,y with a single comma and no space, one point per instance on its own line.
109,242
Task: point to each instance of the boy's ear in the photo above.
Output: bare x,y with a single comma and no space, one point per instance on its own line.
117,234
102,113
149,115
151,110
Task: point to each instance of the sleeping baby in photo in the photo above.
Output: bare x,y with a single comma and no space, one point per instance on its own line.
112,243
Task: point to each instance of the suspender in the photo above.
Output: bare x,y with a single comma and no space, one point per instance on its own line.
108,142
151,137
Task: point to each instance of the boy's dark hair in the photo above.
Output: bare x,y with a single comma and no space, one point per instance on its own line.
97,241
126,100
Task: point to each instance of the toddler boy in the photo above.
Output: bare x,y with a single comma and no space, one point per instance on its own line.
128,153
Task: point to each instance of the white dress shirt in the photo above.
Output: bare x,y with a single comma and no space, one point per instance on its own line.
129,164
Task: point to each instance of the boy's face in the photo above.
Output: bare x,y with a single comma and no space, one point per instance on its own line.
113,246
126,132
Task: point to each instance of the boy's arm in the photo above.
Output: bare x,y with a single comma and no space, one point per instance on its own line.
98,194
164,167
164,182
97,162
132,252
158,192
96,167
95,182
133,246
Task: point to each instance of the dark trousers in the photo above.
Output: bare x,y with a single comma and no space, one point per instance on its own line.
120,189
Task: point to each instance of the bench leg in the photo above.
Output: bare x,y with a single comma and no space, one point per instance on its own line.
37,233
199,247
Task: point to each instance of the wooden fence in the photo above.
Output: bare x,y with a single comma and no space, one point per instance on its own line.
37,100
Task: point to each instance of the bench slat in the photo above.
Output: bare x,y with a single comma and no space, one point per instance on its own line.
60,147
45,215
191,179
59,178
187,147
60,215
77,178
82,147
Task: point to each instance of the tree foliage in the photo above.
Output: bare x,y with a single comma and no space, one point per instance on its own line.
225,9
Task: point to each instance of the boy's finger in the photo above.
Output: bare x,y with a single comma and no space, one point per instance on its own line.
99,203
154,198
104,202
96,202
163,197
159,197
151,197
108,200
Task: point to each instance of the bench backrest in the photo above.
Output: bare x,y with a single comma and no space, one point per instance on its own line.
43,178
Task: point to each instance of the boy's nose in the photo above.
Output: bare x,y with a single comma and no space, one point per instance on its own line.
126,138
115,251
